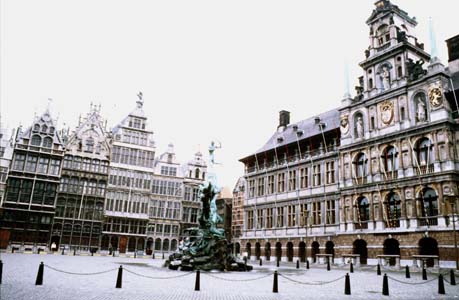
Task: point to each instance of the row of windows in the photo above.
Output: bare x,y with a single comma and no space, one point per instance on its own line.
169,188
76,229
305,214
126,178
137,123
34,163
133,157
25,191
125,226
85,164
46,142
163,229
164,209
135,137
297,179
168,171
127,202
76,208
82,186
44,128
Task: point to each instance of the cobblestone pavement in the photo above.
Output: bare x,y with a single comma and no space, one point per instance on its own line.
20,271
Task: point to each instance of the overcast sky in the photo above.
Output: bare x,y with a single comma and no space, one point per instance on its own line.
208,70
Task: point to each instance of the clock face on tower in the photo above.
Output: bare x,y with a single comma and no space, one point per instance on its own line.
435,97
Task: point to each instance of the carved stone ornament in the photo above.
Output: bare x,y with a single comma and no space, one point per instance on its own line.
344,123
387,112
435,97
408,194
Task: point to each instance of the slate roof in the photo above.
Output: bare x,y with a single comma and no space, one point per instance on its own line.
307,126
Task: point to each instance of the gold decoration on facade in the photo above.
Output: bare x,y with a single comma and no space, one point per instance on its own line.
435,97
387,112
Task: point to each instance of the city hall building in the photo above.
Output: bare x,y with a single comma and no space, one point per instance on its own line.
376,178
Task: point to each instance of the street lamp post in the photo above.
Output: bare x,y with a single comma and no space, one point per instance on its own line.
454,233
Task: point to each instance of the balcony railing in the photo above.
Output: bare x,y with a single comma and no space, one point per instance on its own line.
426,169
361,225
428,221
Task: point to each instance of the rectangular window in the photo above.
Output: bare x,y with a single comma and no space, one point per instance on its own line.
43,165
280,217
55,167
269,217
291,216
292,180
261,187
270,184
26,191
19,162
331,212
281,182
303,178
260,219
303,214
330,172
316,213
251,188
250,219
12,191
31,164
317,179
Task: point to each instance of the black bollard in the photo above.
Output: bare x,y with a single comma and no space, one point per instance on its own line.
297,263
39,280
351,268
452,278
424,274
277,262
385,286
441,285
119,279
261,262
1,271
135,254
328,265
63,250
347,285
113,253
197,284
378,269
275,287
74,251
163,255
153,256
407,272
307,264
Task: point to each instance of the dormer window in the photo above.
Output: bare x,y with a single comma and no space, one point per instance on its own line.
36,127
382,34
89,145
36,140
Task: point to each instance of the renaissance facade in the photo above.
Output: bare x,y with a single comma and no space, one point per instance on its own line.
375,178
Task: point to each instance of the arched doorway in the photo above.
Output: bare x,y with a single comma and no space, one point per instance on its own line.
360,247
114,243
278,251
248,249
330,249
302,251
149,246
173,245
257,250
391,247
268,251
290,251
428,246
314,250
140,244
158,244
166,245
238,248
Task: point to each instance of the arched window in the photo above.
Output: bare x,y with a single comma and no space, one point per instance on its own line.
47,142
360,165
51,130
382,34
390,159
363,209
44,128
36,127
393,209
36,140
429,205
399,72
196,173
424,152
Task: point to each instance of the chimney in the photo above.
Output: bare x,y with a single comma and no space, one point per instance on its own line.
284,119
453,53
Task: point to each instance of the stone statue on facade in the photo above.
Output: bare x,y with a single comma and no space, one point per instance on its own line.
359,127
385,78
421,110
414,69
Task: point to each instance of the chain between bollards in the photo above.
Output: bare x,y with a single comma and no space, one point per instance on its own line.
441,285
347,285
407,272
385,286
378,270
275,283
351,268
39,280
119,279
197,284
